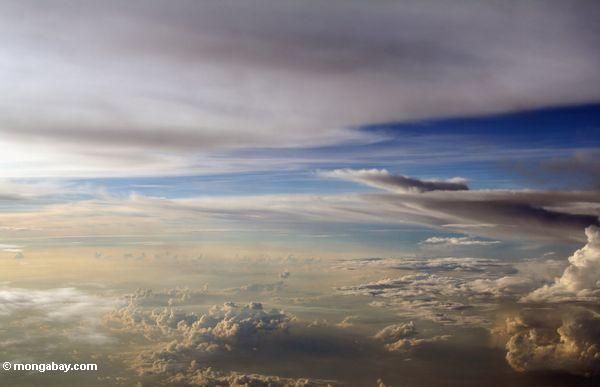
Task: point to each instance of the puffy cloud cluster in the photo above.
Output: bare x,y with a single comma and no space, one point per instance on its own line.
207,377
170,296
570,345
427,296
444,299
402,337
467,264
451,264
188,335
580,280
503,287
259,288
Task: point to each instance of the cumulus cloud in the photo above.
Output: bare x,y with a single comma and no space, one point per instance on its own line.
580,280
186,336
465,296
347,322
457,241
403,337
442,299
381,178
570,344
207,377
467,264
503,287
259,288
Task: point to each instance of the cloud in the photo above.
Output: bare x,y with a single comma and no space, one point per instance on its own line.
556,215
403,337
220,75
542,344
196,376
457,241
273,287
468,295
381,178
580,280
503,287
11,248
17,190
187,336
347,322
577,170
53,304
442,299
428,264
66,313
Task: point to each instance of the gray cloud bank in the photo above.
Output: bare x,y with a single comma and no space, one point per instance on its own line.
559,215
381,178
199,76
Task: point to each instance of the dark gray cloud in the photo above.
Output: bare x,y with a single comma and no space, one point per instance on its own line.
558,215
381,178
580,169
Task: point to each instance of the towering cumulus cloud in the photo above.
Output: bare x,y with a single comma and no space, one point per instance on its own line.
571,345
580,280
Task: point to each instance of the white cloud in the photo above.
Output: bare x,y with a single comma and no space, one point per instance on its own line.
457,241
442,299
580,280
54,304
403,337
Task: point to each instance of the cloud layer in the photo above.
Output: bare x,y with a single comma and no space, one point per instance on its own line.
194,77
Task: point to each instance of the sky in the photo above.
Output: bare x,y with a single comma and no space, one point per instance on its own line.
294,193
